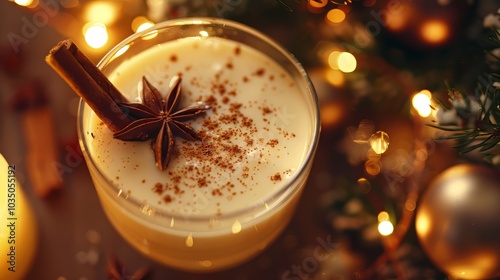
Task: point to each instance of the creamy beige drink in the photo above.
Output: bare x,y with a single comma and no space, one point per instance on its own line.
223,199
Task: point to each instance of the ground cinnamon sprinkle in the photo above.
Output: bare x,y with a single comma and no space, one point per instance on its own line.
266,110
260,72
273,142
229,136
167,198
158,188
276,177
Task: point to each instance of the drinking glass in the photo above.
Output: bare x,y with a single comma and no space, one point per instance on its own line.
182,241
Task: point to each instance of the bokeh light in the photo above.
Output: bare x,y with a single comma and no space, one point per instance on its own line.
24,3
385,228
372,167
105,12
331,114
333,60
318,3
434,31
422,103
138,21
379,142
346,62
383,216
335,16
335,77
95,34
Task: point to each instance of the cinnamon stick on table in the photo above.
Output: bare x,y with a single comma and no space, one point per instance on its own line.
89,83
42,149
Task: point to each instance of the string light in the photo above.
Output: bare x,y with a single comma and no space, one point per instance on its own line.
346,62
101,11
385,228
373,167
383,216
379,142
422,103
434,31
318,3
24,3
95,34
333,60
335,16
335,77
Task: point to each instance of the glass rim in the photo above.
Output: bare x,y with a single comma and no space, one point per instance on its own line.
283,193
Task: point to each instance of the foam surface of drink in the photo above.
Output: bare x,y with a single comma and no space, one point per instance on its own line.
255,134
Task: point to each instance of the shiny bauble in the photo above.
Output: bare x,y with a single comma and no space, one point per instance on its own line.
458,221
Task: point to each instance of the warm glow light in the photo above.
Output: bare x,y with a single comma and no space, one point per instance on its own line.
96,35
410,204
423,223
138,21
422,103
333,60
383,216
335,77
434,31
318,3
379,142
385,228
373,167
23,3
331,114
400,20
364,185
101,11
204,33
335,15
347,62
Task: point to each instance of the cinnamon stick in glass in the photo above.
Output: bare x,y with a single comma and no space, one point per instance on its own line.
89,83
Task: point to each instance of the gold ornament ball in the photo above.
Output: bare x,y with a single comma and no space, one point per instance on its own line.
458,221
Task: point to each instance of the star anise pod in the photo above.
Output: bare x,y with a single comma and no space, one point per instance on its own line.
158,119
